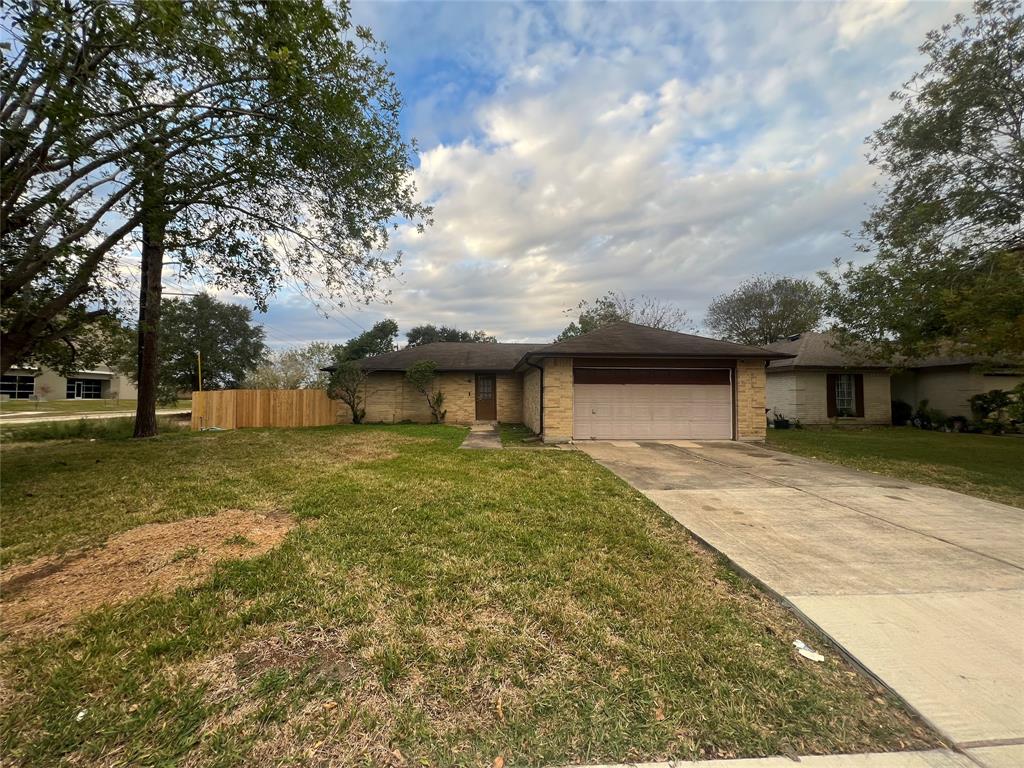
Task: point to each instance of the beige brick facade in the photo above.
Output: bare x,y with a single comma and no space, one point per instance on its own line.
509,388
803,395
750,400
531,399
557,399
389,398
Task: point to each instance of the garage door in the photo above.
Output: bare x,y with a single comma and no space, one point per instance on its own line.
652,404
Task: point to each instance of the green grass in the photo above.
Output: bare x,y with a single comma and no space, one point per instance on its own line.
518,436
979,465
83,429
448,606
77,406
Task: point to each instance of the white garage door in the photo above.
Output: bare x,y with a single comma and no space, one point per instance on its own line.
637,409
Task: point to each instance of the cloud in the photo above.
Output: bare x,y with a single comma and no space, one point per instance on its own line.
672,150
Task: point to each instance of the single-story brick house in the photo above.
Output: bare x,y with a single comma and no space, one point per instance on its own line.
622,381
820,384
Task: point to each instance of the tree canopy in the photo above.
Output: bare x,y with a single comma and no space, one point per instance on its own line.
428,334
764,309
230,344
376,341
616,307
947,236
299,367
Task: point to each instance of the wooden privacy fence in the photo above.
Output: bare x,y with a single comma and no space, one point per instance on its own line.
237,408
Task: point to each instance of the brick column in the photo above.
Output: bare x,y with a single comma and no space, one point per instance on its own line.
750,400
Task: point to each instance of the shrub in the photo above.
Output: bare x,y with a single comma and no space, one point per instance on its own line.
902,413
423,377
346,384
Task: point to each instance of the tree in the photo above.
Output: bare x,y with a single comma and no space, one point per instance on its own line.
764,309
223,333
947,236
423,377
346,383
256,143
429,334
376,341
294,368
616,307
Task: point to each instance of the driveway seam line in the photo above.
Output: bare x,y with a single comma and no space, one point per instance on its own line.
852,509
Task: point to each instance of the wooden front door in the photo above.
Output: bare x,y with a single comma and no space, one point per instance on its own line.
486,398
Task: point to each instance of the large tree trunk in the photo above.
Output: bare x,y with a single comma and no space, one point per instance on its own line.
154,228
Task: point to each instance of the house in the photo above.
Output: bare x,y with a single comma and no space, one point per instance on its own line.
41,383
821,384
622,381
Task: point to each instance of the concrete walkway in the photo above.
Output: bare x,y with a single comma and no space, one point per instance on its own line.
923,586
35,417
483,435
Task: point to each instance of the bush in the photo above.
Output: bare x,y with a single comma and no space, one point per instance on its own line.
423,376
902,413
997,409
928,418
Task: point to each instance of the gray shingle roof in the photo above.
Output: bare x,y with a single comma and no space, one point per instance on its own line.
452,356
812,350
629,339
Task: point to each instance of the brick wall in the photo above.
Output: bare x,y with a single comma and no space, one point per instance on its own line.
531,399
389,398
811,391
557,399
750,400
510,398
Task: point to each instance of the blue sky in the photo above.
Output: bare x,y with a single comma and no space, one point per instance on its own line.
668,149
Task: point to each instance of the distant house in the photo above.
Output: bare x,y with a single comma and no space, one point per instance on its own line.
821,384
41,383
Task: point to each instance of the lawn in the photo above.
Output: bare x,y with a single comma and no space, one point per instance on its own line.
393,601
979,465
77,406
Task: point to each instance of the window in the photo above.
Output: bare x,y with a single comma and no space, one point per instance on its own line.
846,400
18,387
84,389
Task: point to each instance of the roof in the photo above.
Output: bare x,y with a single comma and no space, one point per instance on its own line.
614,340
624,339
452,356
814,350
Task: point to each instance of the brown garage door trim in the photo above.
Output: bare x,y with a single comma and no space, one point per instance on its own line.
700,376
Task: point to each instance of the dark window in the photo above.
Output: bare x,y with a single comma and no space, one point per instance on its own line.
18,387
650,376
844,394
84,389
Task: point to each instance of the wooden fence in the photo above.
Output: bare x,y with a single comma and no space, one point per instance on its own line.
237,408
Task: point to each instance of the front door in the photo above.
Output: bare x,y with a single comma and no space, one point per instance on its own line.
486,400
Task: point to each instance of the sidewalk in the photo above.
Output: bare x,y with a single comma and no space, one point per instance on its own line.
36,417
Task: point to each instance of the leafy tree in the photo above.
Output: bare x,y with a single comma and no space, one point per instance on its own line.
347,383
256,143
948,234
423,377
429,334
223,333
616,307
764,309
376,341
293,368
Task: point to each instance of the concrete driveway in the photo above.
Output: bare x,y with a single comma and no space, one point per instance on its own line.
925,587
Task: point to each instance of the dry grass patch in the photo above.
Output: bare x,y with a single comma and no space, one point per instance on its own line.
51,592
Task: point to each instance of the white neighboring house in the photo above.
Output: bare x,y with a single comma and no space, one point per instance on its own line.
42,383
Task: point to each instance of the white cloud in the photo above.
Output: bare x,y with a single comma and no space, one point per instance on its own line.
671,150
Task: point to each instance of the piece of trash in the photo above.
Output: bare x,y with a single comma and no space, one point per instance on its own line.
80,716
806,651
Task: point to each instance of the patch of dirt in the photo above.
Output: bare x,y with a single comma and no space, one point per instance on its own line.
51,592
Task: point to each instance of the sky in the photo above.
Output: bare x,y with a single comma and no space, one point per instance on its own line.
665,149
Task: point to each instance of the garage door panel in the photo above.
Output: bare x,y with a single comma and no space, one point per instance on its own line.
652,411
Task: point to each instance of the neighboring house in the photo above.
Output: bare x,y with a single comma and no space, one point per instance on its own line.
622,381
821,384
41,383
